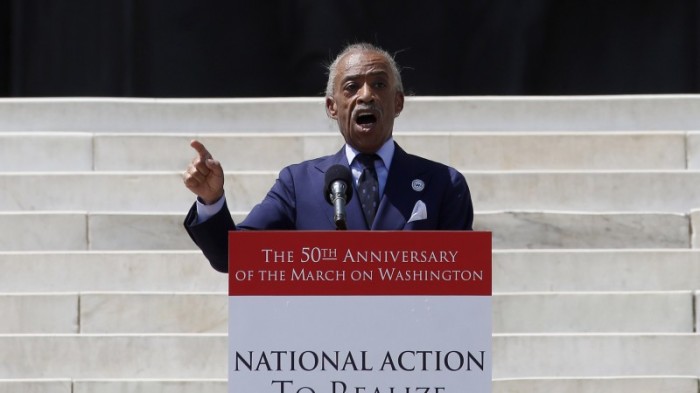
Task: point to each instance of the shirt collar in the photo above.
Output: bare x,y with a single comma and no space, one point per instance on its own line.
386,152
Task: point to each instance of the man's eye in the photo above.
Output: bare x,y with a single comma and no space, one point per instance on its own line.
380,85
351,87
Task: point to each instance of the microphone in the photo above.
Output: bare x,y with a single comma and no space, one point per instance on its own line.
338,191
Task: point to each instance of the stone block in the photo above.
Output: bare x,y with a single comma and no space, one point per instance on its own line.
695,228
86,356
165,115
595,355
612,312
693,150
532,230
93,191
558,114
595,270
609,191
36,386
39,313
575,113
30,231
697,310
510,151
138,231
133,271
322,144
564,151
45,151
639,384
154,313
661,192
152,386
236,152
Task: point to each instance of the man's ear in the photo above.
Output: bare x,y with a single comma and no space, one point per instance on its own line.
398,103
331,108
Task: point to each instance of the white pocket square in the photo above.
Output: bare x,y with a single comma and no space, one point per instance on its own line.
420,212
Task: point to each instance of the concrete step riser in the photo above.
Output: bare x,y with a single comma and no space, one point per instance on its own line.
513,271
599,385
113,356
666,192
583,385
591,385
538,356
105,231
204,356
115,272
612,113
100,313
23,152
596,270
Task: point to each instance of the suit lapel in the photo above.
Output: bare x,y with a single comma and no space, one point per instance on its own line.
399,198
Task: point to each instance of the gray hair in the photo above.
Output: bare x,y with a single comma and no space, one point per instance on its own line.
361,47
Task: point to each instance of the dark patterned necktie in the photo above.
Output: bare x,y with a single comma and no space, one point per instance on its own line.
368,186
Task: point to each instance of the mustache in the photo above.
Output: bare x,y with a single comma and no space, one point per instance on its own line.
373,108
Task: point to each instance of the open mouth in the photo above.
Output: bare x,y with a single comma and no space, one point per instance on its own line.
366,119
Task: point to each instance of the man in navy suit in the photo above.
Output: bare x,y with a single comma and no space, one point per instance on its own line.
400,192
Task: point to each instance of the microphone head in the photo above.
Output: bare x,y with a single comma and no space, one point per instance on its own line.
337,173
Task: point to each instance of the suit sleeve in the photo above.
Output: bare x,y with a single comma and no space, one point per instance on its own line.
211,236
457,212
276,211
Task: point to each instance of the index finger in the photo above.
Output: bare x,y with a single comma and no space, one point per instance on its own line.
201,150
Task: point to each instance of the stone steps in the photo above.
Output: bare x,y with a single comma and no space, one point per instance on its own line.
600,191
514,271
178,356
592,202
66,231
572,151
87,356
513,114
183,312
595,355
666,384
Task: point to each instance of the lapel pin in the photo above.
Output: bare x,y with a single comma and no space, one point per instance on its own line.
418,185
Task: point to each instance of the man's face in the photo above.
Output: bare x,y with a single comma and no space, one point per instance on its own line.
365,100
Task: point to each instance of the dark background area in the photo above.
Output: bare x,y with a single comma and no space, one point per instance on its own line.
269,48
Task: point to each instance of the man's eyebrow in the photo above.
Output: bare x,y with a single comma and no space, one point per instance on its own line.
371,73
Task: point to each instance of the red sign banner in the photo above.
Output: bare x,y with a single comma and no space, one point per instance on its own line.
354,263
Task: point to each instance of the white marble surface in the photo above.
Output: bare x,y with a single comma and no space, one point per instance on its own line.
667,384
697,310
138,231
595,270
549,151
154,312
538,113
26,231
36,386
533,230
611,312
693,149
88,356
62,151
595,355
45,151
39,313
620,191
152,386
695,228
600,191
133,271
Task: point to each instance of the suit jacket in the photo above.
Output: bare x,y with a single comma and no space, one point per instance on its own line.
296,201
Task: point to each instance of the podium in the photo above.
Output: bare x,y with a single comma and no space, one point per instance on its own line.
359,312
